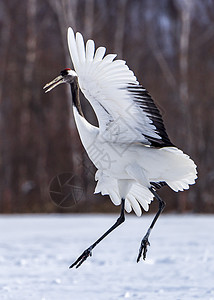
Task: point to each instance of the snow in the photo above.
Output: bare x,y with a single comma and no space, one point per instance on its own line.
36,251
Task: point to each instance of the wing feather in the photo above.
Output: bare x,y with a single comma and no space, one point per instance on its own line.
125,111
73,49
90,46
80,47
100,52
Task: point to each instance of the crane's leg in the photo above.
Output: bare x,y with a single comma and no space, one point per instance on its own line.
145,240
88,251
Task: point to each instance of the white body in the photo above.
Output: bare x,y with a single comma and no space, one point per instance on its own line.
121,147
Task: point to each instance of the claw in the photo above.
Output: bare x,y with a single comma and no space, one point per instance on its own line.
143,249
82,258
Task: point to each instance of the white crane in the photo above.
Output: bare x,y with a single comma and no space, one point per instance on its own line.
130,148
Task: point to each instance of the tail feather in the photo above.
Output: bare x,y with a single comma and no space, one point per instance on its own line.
128,207
134,203
137,197
176,169
142,194
182,170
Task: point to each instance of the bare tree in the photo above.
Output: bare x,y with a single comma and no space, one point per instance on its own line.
120,27
89,18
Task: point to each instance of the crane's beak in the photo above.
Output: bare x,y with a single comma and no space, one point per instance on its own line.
49,86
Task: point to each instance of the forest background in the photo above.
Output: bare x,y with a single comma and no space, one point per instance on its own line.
169,44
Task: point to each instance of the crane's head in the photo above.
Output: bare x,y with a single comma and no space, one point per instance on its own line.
66,76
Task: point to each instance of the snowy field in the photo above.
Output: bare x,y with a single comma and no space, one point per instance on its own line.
36,250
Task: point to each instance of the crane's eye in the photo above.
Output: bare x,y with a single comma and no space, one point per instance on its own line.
65,72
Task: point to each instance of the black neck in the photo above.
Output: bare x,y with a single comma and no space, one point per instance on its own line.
75,95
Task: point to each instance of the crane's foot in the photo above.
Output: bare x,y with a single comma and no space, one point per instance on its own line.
82,258
143,248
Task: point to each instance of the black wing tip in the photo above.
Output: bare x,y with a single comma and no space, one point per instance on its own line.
158,185
160,143
143,99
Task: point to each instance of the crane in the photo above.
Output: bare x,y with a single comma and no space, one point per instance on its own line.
130,147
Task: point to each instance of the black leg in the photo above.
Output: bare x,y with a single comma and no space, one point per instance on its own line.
145,241
88,252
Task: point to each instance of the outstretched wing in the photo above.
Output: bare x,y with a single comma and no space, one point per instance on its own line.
125,111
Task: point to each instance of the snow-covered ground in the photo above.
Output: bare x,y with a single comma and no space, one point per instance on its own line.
36,250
